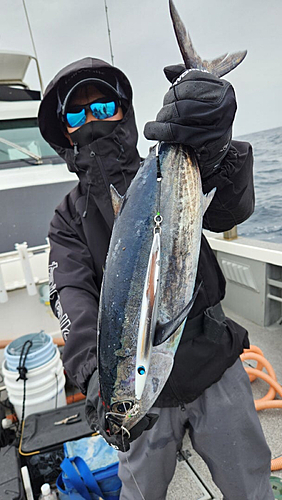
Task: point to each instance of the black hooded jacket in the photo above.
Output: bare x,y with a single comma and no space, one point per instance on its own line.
80,233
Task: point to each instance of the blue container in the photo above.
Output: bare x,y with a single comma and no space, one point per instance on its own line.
42,350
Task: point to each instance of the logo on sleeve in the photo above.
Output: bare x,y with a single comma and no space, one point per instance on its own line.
52,284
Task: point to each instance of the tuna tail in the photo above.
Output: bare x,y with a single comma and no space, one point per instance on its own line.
218,67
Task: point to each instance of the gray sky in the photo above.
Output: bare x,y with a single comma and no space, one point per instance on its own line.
143,43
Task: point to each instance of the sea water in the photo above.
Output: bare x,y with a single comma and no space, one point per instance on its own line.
266,221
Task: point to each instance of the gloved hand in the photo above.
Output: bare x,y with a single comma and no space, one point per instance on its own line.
95,411
198,111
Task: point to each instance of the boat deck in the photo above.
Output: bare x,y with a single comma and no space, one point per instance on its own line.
192,479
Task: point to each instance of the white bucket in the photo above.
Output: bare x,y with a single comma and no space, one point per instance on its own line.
45,387
41,351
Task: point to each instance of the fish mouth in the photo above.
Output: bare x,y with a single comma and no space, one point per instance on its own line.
120,412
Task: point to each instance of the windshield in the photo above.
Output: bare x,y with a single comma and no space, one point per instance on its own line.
24,133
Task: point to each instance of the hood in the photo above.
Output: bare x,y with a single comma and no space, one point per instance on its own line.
49,124
112,159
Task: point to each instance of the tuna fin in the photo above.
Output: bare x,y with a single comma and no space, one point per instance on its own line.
190,56
163,332
227,64
207,199
219,66
117,199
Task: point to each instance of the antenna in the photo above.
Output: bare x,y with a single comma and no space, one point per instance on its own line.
34,49
109,33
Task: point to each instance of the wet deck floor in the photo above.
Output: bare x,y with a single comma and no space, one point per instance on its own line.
192,479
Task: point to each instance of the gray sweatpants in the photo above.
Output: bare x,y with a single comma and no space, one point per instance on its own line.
225,431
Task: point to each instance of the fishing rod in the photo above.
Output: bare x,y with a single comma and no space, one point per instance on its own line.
109,32
34,48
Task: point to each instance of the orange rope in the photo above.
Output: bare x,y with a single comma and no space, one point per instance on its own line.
59,341
73,398
268,401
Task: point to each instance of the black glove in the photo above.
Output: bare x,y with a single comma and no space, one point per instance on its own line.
198,111
95,416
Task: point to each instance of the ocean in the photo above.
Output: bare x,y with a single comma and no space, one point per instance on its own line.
266,222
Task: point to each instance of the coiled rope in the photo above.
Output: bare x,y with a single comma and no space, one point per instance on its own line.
267,401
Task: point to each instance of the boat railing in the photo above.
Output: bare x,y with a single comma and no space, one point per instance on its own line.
25,267
253,272
252,268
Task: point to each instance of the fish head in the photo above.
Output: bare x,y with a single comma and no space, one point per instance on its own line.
125,413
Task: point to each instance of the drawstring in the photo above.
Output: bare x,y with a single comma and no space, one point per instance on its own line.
89,184
121,151
22,374
75,155
21,368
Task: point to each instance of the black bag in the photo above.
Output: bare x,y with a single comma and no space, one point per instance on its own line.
41,446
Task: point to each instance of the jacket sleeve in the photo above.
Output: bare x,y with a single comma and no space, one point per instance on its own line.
234,198
74,298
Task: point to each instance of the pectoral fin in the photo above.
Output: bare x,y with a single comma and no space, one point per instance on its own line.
117,199
207,199
164,331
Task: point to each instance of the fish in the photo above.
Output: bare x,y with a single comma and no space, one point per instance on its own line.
150,272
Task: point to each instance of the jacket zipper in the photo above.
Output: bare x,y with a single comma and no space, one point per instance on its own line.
102,171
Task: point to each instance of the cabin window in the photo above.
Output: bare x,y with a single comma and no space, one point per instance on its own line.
23,133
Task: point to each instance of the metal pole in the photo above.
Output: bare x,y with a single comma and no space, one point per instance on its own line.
34,49
109,33
231,234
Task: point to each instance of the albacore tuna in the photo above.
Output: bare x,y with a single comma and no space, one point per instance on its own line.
150,272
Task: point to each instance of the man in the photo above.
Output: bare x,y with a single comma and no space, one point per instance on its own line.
87,116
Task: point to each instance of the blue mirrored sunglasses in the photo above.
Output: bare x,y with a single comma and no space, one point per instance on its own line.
100,109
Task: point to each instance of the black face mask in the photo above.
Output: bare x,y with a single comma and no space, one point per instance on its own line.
92,131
